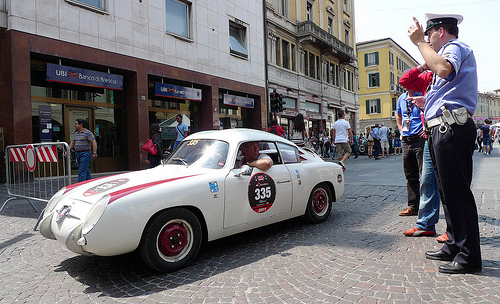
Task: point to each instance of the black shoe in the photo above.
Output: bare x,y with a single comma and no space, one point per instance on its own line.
439,255
454,268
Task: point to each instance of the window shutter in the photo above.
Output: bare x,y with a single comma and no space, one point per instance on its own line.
377,80
366,59
367,106
376,58
378,106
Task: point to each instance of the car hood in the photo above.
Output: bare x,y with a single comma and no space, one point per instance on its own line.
120,185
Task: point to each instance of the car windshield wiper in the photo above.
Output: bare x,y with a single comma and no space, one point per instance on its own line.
182,160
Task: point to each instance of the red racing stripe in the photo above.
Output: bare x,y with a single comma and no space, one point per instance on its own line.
121,193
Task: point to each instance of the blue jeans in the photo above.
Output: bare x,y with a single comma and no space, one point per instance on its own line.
176,144
428,211
83,160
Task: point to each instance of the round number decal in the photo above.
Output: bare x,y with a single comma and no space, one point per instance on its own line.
261,192
101,188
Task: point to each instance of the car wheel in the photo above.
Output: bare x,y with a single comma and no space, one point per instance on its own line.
362,149
319,205
171,240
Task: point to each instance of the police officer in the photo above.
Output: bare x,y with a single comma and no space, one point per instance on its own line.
448,107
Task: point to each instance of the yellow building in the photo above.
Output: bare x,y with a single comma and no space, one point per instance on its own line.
311,60
381,65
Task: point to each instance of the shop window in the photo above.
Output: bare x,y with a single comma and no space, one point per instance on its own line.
108,126
178,17
56,117
237,40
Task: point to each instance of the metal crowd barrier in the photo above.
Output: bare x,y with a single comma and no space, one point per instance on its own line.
36,171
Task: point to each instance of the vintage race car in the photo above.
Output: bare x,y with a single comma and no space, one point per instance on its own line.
198,194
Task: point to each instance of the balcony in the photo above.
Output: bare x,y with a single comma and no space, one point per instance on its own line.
397,89
326,41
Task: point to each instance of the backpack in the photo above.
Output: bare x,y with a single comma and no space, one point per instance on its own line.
273,130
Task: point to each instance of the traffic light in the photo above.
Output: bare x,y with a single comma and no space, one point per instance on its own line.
276,102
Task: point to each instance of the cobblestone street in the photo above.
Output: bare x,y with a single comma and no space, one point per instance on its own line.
359,255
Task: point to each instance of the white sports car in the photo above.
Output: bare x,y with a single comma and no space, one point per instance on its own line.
199,193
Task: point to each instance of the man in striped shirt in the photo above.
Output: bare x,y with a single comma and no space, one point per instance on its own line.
83,143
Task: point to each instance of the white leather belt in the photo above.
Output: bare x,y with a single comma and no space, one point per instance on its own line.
458,116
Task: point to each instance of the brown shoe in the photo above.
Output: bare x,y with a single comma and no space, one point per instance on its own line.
442,238
408,211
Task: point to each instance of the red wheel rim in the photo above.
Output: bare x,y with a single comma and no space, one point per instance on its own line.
172,239
320,201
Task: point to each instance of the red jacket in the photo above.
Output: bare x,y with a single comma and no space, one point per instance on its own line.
415,80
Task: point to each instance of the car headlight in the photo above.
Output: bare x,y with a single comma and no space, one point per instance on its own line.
95,214
54,200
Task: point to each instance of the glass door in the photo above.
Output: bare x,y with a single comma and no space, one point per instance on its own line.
71,115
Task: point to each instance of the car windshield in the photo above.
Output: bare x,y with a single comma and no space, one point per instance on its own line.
204,153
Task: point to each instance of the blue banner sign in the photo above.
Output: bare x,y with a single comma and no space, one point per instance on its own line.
173,91
65,74
239,101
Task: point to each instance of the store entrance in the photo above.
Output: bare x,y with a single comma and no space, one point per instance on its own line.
71,114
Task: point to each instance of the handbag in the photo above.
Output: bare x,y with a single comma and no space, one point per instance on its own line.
150,147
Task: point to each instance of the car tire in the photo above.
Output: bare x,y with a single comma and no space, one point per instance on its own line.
171,240
362,149
319,205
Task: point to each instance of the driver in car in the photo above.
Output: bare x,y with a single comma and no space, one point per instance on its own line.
252,158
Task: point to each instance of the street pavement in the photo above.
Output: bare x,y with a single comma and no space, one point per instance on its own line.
359,255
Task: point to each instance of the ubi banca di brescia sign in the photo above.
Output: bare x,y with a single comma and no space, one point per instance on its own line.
65,74
173,91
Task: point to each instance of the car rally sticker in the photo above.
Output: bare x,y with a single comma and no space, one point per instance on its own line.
105,186
261,192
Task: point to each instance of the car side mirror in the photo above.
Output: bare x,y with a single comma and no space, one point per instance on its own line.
245,170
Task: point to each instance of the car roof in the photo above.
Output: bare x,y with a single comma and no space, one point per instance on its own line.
235,136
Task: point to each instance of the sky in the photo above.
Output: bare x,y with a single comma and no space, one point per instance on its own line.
377,19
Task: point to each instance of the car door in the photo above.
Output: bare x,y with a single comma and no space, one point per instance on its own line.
260,195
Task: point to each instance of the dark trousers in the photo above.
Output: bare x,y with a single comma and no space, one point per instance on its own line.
451,153
413,151
377,148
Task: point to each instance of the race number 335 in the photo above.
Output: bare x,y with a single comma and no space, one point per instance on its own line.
261,192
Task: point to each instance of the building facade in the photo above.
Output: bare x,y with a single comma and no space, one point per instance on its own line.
312,61
488,107
381,65
125,64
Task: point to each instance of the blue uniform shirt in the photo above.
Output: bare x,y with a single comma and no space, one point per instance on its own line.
459,88
375,133
415,116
